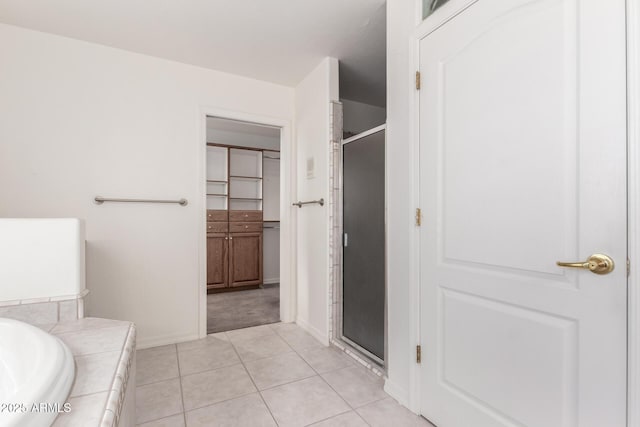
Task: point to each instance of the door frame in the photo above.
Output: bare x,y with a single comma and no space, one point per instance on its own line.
288,219
633,212
424,28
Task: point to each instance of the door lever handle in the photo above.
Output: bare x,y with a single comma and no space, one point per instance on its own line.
596,263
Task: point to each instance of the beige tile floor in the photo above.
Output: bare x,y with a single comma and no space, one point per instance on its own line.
271,375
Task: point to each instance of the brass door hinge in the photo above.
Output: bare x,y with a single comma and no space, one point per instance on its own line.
417,80
418,217
418,354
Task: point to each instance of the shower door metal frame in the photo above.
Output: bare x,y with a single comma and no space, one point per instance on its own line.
367,355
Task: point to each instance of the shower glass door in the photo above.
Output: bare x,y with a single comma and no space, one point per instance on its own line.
363,263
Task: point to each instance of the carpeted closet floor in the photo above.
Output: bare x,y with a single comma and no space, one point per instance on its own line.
234,310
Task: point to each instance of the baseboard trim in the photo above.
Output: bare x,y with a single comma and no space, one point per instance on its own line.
313,331
398,393
271,281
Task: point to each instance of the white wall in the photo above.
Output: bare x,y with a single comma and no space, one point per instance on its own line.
400,25
359,117
312,118
125,125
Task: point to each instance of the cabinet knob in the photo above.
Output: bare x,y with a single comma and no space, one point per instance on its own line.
246,226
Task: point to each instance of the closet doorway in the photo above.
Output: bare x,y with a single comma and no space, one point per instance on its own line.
242,224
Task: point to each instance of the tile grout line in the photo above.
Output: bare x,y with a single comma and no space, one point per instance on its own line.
75,376
216,403
184,410
267,357
209,370
355,408
264,402
336,415
216,369
297,351
159,419
156,382
288,382
88,394
84,329
336,392
372,402
317,374
240,361
353,364
164,379
352,408
361,417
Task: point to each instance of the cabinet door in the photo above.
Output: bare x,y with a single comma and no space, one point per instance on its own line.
217,260
245,261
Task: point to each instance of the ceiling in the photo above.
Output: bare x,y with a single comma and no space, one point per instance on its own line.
278,41
242,127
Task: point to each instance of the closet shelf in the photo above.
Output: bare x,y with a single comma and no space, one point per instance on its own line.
218,181
244,198
217,194
245,177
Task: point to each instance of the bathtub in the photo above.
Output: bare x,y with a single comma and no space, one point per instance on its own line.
35,368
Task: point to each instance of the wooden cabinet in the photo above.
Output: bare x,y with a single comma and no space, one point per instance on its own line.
217,227
245,216
234,249
214,215
217,249
245,227
217,260
245,259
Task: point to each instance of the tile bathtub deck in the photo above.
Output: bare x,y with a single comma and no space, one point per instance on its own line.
271,375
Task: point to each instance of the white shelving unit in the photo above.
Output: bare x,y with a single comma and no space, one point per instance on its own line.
217,178
245,179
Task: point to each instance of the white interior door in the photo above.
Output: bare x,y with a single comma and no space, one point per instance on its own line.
522,164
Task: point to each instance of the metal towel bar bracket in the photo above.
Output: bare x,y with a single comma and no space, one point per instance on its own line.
311,202
100,200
